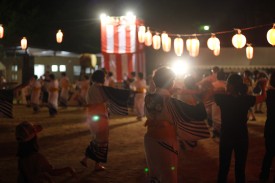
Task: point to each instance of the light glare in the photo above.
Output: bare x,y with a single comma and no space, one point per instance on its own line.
102,16
206,27
180,67
129,14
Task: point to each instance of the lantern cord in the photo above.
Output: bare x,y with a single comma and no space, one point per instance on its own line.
209,34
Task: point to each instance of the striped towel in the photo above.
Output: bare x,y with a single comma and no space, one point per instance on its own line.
6,108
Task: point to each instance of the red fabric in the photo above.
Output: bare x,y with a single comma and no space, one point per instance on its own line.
118,36
130,63
103,37
106,61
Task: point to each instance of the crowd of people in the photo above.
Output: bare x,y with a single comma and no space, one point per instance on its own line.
179,111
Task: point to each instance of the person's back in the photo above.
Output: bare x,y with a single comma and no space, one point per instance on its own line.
234,113
234,136
269,132
270,105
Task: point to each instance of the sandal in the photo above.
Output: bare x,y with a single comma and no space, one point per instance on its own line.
99,167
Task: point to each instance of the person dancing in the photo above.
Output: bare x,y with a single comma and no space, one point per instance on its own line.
100,101
269,132
234,105
168,120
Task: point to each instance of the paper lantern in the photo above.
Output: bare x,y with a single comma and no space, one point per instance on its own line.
164,37
217,50
148,38
271,36
238,40
141,34
156,41
1,31
213,42
249,51
24,43
178,46
167,44
59,36
194,47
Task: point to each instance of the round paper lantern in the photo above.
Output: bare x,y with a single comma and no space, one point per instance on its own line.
249,51
59,36
238,40
217,50
24,43
178,46
213,42
141,34
194,47
1,31
156,41
148,38
271,36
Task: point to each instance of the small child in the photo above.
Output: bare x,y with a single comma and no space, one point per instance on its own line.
34,167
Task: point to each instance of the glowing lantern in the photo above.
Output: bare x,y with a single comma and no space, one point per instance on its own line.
156,41
141,34
59,36
166,42
271,36
1,31
178,46
24,43
164,37
249,51
148,38
194,47
213,42
217,50
188,44
238,40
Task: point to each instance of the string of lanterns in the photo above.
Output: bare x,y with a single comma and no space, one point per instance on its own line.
193,44
24,42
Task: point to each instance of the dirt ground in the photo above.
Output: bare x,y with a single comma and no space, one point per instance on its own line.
66,136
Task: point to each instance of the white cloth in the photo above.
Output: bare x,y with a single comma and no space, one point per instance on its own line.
35,92
140,88
84,86
64,84
53,93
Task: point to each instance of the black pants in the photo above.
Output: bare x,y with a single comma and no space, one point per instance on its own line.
268,157
240,148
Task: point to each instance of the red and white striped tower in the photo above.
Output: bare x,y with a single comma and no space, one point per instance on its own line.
120,47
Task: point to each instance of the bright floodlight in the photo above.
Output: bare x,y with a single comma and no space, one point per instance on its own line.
129,14
131,18
180,67
102,16
206,27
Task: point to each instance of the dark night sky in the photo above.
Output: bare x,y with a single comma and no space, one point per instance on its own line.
39,20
